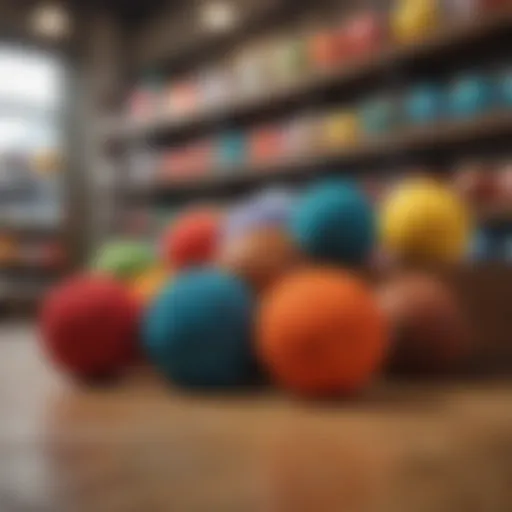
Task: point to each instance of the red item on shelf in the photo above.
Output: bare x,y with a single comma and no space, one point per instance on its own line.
187,163
324,49
362,34
266,145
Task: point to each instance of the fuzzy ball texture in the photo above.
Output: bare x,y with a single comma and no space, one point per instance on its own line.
321,332
198,330
90,325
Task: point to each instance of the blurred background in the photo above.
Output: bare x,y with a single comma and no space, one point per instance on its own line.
114,115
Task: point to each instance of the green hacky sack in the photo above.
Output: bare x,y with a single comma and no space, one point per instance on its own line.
123,259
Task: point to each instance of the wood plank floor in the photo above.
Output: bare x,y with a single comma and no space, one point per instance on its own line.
142,447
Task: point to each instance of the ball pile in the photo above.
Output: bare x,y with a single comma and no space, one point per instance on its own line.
272,289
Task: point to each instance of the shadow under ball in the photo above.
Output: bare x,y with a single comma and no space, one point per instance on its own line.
430,334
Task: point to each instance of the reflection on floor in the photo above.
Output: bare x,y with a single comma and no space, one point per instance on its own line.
142,447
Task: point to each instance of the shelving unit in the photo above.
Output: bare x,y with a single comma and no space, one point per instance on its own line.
33,189
446,41
443,138
439,145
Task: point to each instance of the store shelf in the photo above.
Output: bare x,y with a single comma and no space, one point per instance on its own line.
31,230
439,139
442,43
18,268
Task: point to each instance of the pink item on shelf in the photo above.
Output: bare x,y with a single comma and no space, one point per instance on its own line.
362,34
266,145
184,98
141,105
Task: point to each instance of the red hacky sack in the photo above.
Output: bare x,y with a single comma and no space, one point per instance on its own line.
90,326
191,240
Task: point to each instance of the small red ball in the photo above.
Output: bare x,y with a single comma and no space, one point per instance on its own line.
191,240
89,326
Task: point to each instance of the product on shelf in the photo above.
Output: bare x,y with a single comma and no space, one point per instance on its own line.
266,144
362,34
231,150
412,20
249,75
213,89
323,49
425,103
298,137
183,98
188,162
341,130
380,116
504,79
471,95
145,100
290,60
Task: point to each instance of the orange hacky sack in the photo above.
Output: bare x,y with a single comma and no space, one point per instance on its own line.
321,332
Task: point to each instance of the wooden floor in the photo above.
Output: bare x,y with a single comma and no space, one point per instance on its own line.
141,447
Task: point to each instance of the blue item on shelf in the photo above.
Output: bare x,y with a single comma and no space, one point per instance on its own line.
490,245
231,149
424,104
472,95
379,116
505,87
